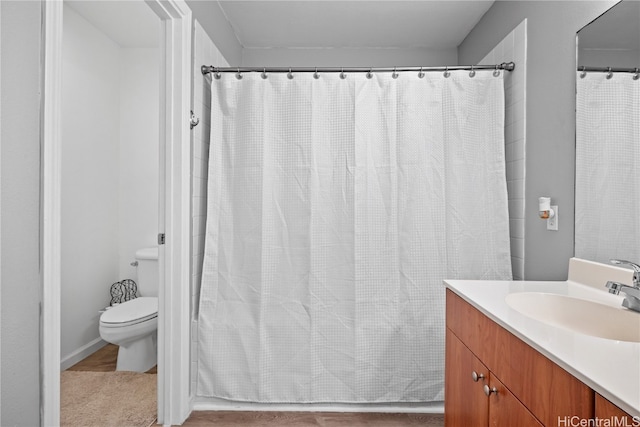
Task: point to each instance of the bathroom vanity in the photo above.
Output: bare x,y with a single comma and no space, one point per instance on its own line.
505,368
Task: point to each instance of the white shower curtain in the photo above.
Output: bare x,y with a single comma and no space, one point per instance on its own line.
607,167
336,207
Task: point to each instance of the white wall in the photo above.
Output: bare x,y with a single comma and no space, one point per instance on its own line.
110,111
138,159
347,57
89,181
215,24
205,53
609,58
514,48
20,43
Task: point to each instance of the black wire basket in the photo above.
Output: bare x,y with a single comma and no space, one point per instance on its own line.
123,291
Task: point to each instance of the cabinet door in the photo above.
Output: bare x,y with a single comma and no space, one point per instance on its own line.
505,410
606,410
465,404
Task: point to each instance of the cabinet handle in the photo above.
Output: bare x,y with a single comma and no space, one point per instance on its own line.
488,390
476,376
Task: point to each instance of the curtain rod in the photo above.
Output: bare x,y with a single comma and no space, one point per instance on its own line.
608,69
206,69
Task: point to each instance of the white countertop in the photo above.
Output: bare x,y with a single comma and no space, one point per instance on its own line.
610,367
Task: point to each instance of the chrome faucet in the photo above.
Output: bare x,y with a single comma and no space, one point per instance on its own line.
632,298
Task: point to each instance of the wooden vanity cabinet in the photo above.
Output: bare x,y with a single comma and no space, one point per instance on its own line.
466,400
532,390
609,411
506,410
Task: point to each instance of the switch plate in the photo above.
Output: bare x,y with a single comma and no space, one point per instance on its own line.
552,223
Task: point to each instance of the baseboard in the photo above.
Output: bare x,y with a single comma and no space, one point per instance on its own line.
216,404
81,353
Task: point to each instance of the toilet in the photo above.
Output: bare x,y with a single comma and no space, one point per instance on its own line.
133,325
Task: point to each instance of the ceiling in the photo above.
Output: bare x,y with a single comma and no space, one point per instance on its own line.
305,23
355,23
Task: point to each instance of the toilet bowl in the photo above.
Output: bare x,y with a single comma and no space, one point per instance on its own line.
133,325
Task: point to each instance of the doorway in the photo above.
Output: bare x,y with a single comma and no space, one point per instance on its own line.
173,219
109,194
109,170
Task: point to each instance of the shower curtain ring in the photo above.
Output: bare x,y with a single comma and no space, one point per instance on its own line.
394,74
239,74
264,73
583,74
496,72
472,73
636,76
421,73
609,73
316,75
446,72
290,75
217,74
342,74
370,73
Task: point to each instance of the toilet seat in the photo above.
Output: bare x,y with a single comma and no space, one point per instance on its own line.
129,313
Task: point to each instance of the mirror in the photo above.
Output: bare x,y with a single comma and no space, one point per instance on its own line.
607,186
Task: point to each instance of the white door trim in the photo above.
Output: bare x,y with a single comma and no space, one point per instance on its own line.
174,400
175,101
51,147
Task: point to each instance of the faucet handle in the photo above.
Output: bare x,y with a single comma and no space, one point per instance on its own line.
614,287
633,265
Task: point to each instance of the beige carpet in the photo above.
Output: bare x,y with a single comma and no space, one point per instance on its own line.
97,399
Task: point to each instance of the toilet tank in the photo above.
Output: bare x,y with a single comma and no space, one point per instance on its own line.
148,271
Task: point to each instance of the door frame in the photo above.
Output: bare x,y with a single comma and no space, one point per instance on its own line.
174,397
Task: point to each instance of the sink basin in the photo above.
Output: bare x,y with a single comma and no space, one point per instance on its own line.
578,315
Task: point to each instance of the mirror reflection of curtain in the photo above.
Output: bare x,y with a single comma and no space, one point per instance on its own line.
335,210
607,167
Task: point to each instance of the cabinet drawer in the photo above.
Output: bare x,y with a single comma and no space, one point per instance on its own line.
547,390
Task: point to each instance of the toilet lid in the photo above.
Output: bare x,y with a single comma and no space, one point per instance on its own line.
132,311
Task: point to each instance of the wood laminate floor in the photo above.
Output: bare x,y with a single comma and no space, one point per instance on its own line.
303,419
104,360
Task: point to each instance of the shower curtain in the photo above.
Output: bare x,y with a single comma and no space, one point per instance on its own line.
336,207
607,167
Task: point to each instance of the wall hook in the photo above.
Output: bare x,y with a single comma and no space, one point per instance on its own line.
193,120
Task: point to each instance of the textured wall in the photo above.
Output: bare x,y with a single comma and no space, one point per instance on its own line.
20,40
